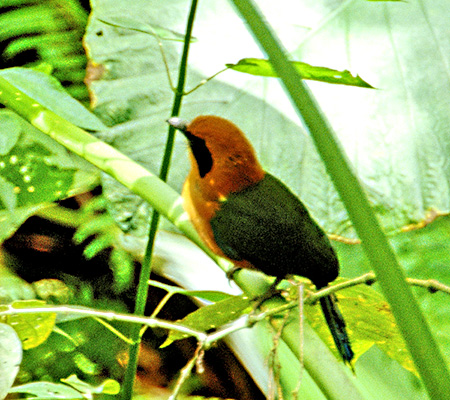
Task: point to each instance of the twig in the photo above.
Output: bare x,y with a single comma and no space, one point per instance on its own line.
108,315
312,297
207,340
204,81
432,285
367,279
186,371
274,365
301,322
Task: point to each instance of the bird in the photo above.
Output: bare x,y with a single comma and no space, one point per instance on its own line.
249,216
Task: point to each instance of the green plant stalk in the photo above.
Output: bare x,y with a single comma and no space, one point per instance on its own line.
413,326
144,276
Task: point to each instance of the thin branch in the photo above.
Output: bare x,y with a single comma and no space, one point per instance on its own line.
204,81
311,298
431,285
301,334
274,389
186,371
207,340
367,279
108,315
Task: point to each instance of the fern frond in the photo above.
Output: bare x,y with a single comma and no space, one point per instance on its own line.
51,32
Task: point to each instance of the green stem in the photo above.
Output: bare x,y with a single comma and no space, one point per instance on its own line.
144,276
64,311
413,326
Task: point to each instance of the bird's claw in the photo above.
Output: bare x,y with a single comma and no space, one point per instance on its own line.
230,273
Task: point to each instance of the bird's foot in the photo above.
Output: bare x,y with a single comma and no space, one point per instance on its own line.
232,271
271,292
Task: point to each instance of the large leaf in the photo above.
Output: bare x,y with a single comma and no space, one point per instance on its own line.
369,322
32,329
34,170
48,390
48,92
425,255
10,358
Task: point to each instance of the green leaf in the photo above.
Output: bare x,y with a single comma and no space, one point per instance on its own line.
86,365
34,171
42,43
212,317
48,390
369,321
423,252
12,287
12,129
31,168
10,358
209,295
32,329
108,386
53,291
47,91
260,67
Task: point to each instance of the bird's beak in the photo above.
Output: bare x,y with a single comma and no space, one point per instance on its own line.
178,123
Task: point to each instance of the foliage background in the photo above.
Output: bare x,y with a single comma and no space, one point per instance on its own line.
395,136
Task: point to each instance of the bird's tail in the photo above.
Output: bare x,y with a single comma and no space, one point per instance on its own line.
336,324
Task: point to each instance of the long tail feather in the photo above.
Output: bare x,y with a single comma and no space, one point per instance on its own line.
336,324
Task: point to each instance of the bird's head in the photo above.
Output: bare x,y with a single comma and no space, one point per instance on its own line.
220,150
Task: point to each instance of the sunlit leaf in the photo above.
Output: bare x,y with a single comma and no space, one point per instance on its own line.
109,386
34,171
424,254
48,390
259,67
369,321
54,290
86,365
10,357
32,329
49,92
211,317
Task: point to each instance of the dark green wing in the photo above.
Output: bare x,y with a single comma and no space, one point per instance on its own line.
270,227
267,225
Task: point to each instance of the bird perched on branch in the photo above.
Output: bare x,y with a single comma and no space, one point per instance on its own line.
251,217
